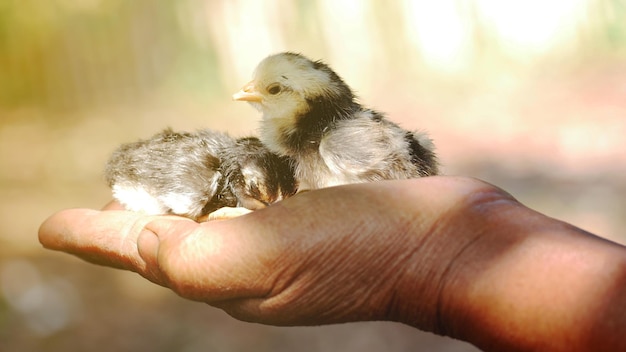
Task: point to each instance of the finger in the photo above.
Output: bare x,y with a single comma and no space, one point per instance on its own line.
113,205
227,213
107,238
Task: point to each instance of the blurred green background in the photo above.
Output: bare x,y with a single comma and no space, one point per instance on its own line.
530,96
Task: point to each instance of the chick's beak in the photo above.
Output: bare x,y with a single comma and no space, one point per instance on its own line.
248,93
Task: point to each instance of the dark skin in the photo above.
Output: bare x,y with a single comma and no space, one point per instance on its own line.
454,256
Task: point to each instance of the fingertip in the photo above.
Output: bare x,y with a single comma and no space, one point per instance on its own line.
163,227
148,246
148,249
54,230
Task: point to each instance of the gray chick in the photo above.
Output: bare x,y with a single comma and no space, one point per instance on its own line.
312,116
194,174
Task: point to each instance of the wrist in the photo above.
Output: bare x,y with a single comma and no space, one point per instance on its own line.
530,282
453,223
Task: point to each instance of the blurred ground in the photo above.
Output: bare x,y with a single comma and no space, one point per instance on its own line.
545,122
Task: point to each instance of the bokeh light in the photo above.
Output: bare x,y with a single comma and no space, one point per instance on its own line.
530,96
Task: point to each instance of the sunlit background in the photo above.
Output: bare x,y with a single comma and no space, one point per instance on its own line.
529,95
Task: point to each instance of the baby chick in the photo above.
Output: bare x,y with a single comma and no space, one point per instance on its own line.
312,116
194,174
256,176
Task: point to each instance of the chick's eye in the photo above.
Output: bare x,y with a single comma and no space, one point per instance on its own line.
274,89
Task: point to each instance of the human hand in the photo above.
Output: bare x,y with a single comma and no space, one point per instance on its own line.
438,253
321,257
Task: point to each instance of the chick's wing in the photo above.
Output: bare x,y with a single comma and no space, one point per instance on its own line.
364,149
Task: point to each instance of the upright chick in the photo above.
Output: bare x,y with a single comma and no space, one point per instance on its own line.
194,174
312,116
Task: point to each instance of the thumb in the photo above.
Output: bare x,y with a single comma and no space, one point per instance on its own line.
211,261
153,242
